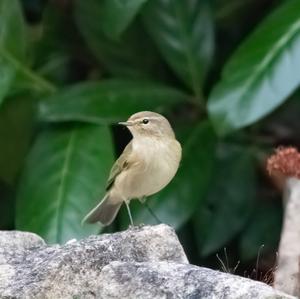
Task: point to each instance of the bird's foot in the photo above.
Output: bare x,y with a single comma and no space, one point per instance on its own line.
138,226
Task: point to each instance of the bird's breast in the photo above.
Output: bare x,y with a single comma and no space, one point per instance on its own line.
158,163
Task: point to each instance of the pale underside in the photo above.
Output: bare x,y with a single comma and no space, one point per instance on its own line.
140,171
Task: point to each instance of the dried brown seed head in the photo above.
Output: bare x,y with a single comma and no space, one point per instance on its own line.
285,161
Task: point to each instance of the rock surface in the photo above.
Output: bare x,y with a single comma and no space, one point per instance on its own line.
140,263
172,280
14,240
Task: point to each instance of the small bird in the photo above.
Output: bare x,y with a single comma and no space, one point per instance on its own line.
147,165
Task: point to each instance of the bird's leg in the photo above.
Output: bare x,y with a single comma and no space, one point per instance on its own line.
129,213
143,201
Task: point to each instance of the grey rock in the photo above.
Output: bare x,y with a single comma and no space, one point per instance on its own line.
142,262
15,240
74,269
14,243
175,281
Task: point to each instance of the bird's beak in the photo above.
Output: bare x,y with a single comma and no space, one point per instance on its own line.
126,123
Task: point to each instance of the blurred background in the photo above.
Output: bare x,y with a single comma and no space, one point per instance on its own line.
226,73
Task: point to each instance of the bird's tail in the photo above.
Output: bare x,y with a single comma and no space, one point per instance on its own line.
105,212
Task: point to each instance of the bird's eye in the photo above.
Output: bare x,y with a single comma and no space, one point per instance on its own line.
145,121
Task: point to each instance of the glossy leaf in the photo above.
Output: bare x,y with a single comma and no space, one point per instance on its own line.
108,101
228,204
131,56
12,43
183,32
262,231
64,177
175,204
115,15
262,73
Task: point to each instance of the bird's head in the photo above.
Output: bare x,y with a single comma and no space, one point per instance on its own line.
147,124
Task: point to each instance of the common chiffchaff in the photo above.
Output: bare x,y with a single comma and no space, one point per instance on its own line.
147,164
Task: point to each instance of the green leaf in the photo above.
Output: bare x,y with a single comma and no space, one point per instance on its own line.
176,203
130,56
227,12
52,50
228,204
7,76
12,43
261,74
13,59
64,177
108,101
115,15
262,231
183,32
12,29
16,128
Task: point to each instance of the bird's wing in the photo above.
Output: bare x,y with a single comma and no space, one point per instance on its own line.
123,162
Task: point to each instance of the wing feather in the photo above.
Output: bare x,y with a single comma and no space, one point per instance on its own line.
122,163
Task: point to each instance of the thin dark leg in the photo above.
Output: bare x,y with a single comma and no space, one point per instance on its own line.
151,212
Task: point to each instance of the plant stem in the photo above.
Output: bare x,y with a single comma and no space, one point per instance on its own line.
287,271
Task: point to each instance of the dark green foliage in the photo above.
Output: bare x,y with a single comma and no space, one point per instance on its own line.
107,101
69,70
183,32
12,44
262,230
234,167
